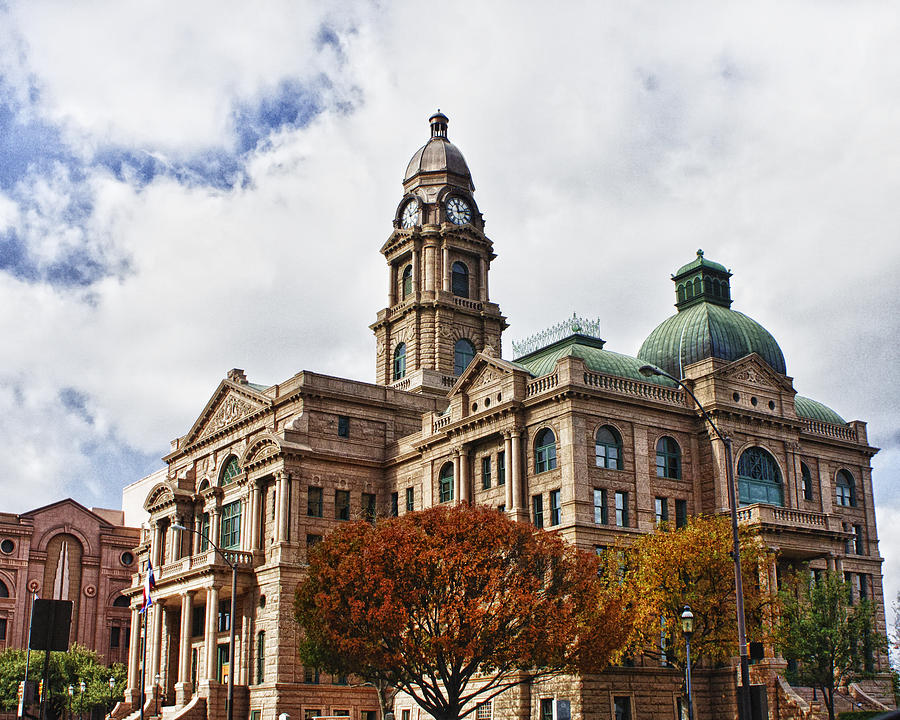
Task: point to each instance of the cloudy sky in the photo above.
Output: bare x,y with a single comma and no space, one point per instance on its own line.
191,187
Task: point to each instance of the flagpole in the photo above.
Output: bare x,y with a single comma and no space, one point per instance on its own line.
143,658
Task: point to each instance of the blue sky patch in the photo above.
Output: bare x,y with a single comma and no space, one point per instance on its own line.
291,105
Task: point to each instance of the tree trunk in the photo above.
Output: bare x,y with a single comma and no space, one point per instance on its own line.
828,693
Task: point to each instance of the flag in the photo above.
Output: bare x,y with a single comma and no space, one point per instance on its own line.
149,584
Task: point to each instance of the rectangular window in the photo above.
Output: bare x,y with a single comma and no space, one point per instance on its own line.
260,657
224,621
197,621
312,541
622,705
537,505
311,675
369,715
501,508
555,509
563,710
343,426
341,713
231,525
501,467
255,714
546,708
486,472
395,504
600,517
410,499
342,504
680,513
863,587
622,509
204,532
314,502
368,506
662,510
405,715
115,634
222,665
310,713
858,540
483,711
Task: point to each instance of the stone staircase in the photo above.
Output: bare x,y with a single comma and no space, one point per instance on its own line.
803,703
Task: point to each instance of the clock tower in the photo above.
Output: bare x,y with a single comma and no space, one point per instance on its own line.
439,312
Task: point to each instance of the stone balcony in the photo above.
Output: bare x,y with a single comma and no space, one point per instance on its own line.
207,561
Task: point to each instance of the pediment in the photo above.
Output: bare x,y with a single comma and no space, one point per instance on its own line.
753,371
230,404
484,370
66,510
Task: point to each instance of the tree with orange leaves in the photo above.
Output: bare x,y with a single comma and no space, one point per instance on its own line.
455,604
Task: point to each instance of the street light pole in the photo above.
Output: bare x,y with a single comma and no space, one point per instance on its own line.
81,686
233,566
112,687
744,690
687,629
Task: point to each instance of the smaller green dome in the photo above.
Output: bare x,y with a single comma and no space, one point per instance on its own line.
814,410
699,262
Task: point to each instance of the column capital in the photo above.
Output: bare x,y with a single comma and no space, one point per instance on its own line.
189,594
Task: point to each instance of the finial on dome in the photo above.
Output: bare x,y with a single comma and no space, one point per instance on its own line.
439,124
699,253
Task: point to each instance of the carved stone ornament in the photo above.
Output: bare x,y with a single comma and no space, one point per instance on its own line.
751,376
487,377
90,591
379,347
34,586
230,411
446,331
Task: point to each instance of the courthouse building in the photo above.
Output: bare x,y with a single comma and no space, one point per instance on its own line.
567,435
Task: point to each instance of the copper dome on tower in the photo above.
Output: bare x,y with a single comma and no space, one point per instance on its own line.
439,155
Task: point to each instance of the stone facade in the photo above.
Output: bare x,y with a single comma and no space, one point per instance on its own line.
569,436
64,551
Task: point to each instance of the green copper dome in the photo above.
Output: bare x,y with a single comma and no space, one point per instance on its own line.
814,410
705,326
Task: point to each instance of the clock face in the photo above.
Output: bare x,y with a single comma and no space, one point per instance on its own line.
458,211
410,215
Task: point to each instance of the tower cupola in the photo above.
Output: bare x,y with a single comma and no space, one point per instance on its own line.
702,280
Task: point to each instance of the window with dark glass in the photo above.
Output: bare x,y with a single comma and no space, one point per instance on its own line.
537,507
759,479
410,499
231,525
204,532
368,506
622,509
858,540
120,601
486,472
223,623
662,510
197,621
311,675
545,451
314,502
407,281
608,448
343,426
668,459
395,504
845,490
555,508
546,708
459,281
501,467
400,361
622,705
463,354
600,517
445,483
310,713
2,629
312,541
342,504
260,657
231,471
806,482
115,636
680,513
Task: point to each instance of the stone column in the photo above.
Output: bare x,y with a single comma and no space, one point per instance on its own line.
507,470
254,515
244,675
209,639
134,650
154,641
482,274
156,543
445,268
456,471
245,517
195,537
215,522
284,507
415,271
279,506
516,470
464,476
392,296
183,688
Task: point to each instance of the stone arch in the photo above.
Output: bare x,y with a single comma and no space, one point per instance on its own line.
161,492
9,581
67,530
262,446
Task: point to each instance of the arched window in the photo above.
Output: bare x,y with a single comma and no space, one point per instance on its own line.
759,479
407,281
120,601
544,451
231,471
698,288
400,361
460,280
806,482
668,459
608,448
4,591
681,293
688,290
845,489
463,353
445,483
